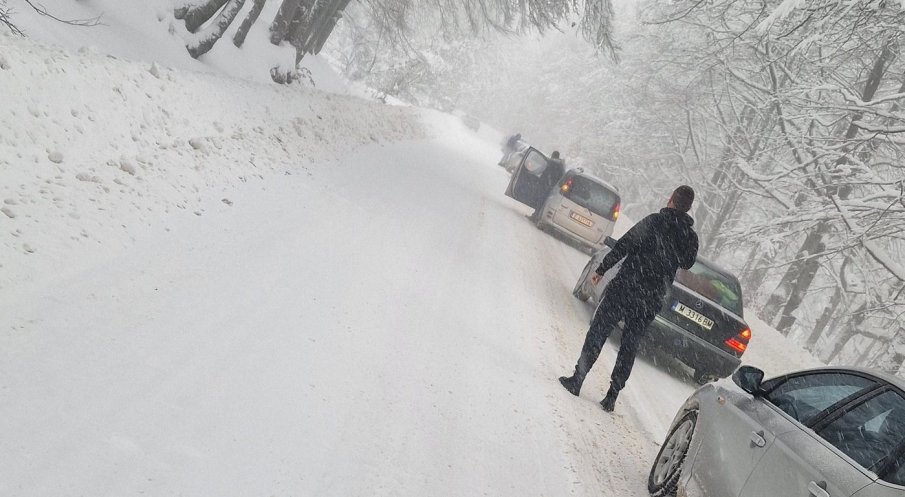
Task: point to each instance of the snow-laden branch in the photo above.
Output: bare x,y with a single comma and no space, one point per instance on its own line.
847,96
877,253
40,9
878,128
764,183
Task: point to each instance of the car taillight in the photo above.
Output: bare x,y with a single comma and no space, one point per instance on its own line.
739,343
616,210
567,185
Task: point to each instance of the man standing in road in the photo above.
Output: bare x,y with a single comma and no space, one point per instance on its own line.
653,250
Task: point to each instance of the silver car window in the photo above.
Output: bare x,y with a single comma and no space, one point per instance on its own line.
805,396
870,433
896,473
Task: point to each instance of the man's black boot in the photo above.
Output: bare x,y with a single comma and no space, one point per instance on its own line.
571,383
609,402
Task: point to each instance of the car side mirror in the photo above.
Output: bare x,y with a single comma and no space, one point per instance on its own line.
610,242
748,378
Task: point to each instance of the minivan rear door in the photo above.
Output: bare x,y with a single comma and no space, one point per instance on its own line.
525,183
586,208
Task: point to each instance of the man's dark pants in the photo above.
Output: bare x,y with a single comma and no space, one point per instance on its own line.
636,317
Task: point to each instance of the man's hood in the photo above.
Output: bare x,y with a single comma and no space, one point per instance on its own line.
677,218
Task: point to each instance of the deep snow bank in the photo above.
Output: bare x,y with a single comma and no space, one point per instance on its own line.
94,149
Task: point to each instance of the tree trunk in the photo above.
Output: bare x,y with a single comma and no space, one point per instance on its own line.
798,278
716,242
870,89
209,37
831,309
752,274
713,196
249,21
795,281
197,16
824,320
851,330
323,11
324,33
719,183
803,282
280,26
300,26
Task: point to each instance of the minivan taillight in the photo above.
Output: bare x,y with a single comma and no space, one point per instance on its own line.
616,210
567,185
739,343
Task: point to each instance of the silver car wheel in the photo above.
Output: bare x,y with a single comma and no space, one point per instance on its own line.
664,475
671,457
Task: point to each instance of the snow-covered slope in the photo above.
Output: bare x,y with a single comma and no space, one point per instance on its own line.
95,150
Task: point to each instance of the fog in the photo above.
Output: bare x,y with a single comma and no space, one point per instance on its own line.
767,113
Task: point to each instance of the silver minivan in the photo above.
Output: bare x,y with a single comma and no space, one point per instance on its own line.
579,206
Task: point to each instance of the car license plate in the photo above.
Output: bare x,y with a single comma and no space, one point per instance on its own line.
581,219
693,315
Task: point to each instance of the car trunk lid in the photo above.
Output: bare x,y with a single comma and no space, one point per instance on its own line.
702,317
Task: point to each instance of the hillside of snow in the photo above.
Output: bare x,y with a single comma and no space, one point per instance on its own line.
95,149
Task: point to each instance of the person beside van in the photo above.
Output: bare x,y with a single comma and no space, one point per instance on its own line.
554,171
510,146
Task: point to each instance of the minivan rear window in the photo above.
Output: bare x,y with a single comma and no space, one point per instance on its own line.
713,285
592,195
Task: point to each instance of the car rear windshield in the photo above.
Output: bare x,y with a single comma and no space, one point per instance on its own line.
592,195
714,285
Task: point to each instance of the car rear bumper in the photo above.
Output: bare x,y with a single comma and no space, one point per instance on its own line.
691,349
562,230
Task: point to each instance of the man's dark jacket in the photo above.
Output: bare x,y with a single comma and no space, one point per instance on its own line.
554,171
653,249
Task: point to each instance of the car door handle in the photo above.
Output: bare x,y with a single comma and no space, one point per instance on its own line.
757,438
818,489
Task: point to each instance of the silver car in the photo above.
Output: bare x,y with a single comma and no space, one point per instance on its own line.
828,432
579,206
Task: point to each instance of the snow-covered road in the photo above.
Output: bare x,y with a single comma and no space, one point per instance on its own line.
392,325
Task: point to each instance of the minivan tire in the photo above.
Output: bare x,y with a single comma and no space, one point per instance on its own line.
540,224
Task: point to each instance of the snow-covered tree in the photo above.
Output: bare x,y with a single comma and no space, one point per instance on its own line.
307,24
807,117
786,116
